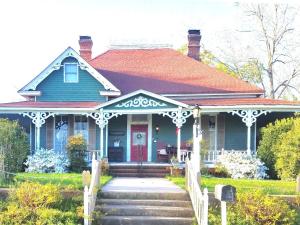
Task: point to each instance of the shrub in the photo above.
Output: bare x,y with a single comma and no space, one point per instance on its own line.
76,151
240,165
14,215
220,171
288,154
55,217
13,146
36,204
255,208
47,161
270,137
35,195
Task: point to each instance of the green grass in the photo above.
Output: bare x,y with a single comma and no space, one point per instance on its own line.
65,180
274,187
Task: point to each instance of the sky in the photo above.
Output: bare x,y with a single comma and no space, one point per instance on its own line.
34,32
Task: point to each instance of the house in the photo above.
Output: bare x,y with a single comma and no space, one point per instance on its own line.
135,102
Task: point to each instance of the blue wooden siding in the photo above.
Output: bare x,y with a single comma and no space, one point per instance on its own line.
53,87
118,125
236,133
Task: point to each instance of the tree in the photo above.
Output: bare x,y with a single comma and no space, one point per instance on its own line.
274,26
265,51
13,146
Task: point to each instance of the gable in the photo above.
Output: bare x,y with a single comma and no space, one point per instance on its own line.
54,87
57,65
142,100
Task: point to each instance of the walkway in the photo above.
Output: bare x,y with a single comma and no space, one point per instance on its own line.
147,201
154,185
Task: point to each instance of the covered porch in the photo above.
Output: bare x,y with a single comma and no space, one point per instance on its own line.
142,126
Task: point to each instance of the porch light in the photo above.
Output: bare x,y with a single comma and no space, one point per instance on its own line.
196,111
157,129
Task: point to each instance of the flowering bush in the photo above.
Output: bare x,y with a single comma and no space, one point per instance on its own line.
76,152
240,165
47,161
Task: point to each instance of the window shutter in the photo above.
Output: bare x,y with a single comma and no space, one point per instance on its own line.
49,133
221,131
204,127
70,125
92,134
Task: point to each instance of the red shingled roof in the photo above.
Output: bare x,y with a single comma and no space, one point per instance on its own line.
165,71
239,101
31,104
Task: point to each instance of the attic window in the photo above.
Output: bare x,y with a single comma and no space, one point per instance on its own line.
71,73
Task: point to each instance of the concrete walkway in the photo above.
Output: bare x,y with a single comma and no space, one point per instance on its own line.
150,185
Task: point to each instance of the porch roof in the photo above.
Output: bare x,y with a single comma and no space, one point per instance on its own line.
32,104
49,106
239,101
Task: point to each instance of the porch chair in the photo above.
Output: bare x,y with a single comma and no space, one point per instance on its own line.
162,155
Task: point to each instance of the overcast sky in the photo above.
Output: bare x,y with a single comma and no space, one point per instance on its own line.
34,32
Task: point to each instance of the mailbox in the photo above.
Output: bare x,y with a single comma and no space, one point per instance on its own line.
226,193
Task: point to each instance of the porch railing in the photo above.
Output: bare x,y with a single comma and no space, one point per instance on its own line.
213,155
90,192
199,199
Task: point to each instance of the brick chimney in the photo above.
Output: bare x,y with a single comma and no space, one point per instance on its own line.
85,44
194,37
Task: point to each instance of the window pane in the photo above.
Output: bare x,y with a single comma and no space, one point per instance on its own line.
71,68
81,126
71,73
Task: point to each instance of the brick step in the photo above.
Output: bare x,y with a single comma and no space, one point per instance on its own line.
138,166
138,174
145,202
138,210
143,220
135,170
145,195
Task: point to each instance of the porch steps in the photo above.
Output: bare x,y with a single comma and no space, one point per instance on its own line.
147,208
147,170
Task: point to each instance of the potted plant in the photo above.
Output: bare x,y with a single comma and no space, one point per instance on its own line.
176,168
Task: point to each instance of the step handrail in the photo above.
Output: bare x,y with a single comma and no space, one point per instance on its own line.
199,199
90,193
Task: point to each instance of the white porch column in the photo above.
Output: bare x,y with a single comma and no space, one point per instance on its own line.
178,118
38,119
101,119
249,117
178,144
101,142
197,145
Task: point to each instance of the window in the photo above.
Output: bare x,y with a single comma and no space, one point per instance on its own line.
212,132
71,72
61,134
81,126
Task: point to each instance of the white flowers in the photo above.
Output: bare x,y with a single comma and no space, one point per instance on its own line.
47,161
241,165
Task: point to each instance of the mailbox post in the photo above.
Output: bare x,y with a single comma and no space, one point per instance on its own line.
225,193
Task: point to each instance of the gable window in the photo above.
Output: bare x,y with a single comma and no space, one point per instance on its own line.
71,73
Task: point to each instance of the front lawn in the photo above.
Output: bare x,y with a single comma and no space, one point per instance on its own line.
273,187
65,180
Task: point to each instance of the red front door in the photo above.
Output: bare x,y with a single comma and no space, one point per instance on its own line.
139,143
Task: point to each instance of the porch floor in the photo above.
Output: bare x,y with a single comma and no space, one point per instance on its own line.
150,164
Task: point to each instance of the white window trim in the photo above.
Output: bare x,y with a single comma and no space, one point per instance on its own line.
77,81
129,123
